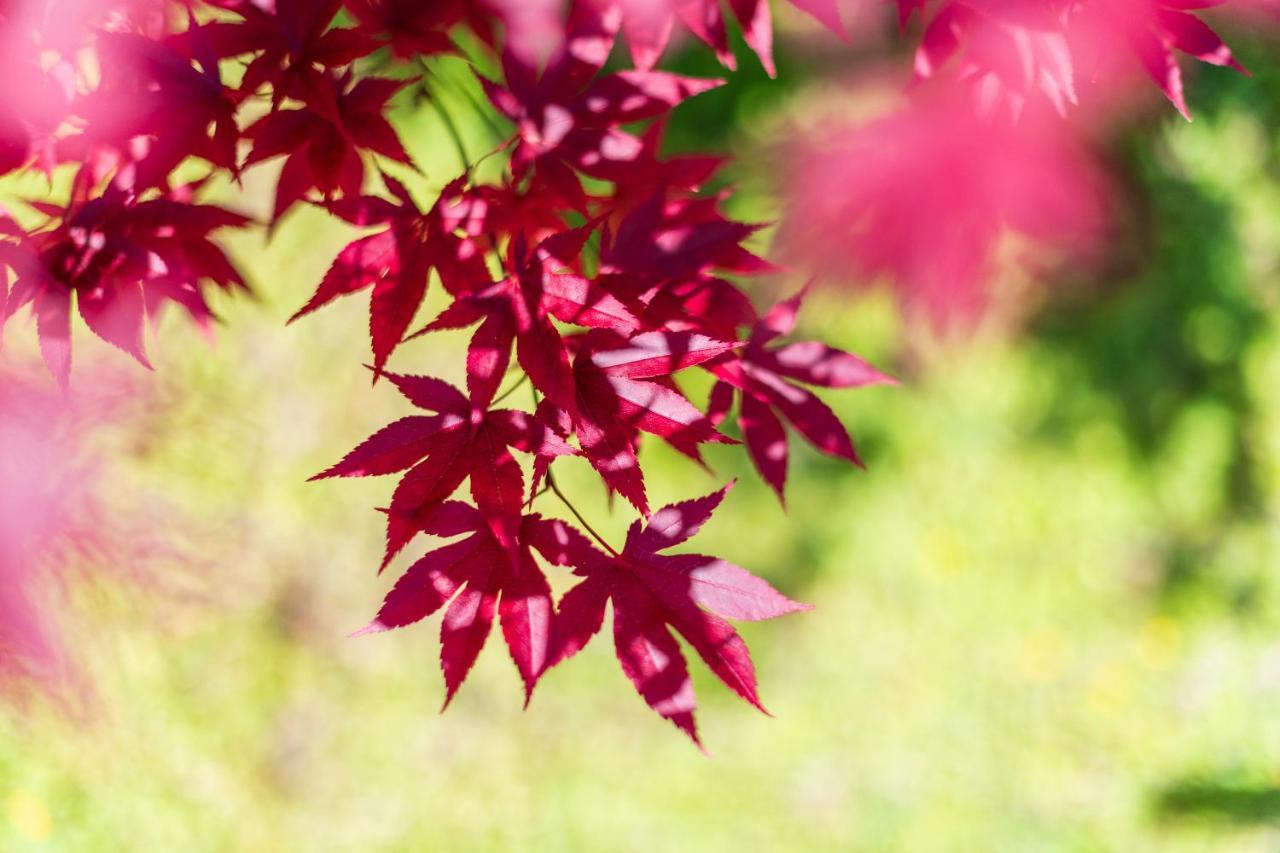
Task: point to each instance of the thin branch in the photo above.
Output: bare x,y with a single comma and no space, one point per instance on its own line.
507,393
454,133
483,111
555,488
551,484
433,95
535,496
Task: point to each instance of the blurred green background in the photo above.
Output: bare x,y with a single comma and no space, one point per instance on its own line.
1048,616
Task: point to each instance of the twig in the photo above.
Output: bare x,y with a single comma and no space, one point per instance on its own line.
433,95
551,484
533,497
507,393
499,133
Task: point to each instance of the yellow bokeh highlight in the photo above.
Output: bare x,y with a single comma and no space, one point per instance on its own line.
1159,642
28,816
1042,657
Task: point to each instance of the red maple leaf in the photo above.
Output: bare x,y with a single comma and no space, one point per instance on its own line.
120,261
706,304
906,8
290,39
152,93
897,199
672,238
651,175
1170,28
519,310
648,25
568,122
1008,51
654,593
766,378
1007,54
529,210
322,140
483,575
397,262
464,439
410,27
623,387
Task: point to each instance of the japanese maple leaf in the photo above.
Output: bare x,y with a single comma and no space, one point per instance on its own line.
34,104
464,439
924,196
1007,52
652,594
519,310
652,175
907,8
120,261
528,210
322,140
623,387
568,122
704,304
397,261
15,146
669,238
1010,51
64,27
410,27
290,38
648,25
38,45
1169,28
152,93
478,577
766,378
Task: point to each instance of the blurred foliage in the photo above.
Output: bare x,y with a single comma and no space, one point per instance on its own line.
1047,617
1235,803
1172,341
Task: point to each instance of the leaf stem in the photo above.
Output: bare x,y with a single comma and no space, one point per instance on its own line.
433,95
536,495
555,488
551,484
507,393
484,113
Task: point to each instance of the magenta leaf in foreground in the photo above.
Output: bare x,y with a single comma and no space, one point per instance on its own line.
655,594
